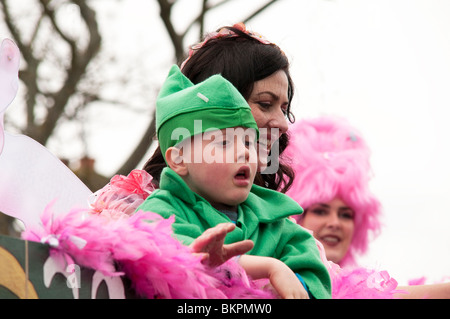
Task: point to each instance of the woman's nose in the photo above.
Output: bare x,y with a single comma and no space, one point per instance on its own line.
278,120
333,220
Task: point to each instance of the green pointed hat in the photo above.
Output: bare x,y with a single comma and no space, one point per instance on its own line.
181,106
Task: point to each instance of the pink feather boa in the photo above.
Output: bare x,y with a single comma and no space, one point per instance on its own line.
143,247
358,283
363,283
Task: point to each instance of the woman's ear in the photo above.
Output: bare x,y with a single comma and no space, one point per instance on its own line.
175,160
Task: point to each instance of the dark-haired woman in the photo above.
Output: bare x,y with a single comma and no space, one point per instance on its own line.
260,71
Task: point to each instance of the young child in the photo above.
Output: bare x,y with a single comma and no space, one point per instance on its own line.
208,134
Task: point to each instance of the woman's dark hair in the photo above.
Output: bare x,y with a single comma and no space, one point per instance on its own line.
242,60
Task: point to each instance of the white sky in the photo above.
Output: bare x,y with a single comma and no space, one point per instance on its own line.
384,65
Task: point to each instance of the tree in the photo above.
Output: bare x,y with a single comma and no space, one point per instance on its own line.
52,82
41,92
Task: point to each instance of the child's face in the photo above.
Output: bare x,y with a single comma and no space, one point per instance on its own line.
222,165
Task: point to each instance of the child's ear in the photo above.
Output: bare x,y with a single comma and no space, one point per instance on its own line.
174,159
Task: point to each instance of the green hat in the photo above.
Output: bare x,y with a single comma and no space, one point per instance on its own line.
181,105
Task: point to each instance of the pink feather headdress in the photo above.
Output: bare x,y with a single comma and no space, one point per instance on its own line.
331,159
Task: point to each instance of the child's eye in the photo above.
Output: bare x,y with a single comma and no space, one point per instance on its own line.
249,143
225,143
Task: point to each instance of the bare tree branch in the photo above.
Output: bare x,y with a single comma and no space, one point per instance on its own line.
141,149
50,13
259,10
28,75
79,62
57,100
201,19
177,40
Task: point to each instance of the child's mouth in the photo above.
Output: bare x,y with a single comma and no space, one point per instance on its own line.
243,173
242,177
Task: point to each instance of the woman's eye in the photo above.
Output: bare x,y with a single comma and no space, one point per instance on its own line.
265,104
347,215
319,212
285,108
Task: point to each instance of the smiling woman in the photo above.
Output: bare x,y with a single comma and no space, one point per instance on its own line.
331,161
270,102
333,225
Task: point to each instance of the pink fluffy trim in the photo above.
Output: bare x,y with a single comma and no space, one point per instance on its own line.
143,247
358,283
362,283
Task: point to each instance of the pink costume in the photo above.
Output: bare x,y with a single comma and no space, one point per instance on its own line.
331,159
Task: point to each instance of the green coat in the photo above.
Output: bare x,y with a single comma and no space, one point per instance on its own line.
261,218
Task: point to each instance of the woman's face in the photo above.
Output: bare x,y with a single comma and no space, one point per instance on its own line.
333,225
269,103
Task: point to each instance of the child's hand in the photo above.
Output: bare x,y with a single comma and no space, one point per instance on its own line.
282,278
211,245
286,283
